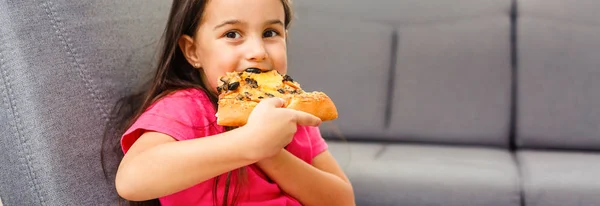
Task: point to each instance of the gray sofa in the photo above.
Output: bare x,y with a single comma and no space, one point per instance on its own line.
473,102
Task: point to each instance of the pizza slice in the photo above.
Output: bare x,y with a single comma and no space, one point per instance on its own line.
240,92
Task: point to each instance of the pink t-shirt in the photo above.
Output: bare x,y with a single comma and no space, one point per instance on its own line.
189,114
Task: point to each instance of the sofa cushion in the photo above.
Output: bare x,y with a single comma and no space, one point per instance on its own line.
558,72
452,82
350,62
420,175
63,64
560,178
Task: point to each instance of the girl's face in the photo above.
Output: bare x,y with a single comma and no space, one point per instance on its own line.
235,35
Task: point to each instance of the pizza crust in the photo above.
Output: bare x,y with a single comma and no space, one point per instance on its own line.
233,112
315,103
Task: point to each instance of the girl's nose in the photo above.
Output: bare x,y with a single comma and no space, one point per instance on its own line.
256,51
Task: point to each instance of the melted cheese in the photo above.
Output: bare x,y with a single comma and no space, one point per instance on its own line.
266,81
254,87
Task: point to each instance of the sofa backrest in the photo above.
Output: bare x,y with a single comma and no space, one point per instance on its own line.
452,81
558,94
409,70
350,61
63,64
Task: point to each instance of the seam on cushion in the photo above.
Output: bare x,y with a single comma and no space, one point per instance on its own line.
514,61
380,152
520,177
17,126
66,41
391,83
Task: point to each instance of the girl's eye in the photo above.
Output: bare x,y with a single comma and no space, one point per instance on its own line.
232,35
270,33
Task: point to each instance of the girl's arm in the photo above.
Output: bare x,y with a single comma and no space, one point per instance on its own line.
322,183
158,165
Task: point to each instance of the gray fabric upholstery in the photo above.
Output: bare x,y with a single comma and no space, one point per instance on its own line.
565,12
553,178
558,74
62,66
408,12
394,174
441,95
350,62
14,169
453,75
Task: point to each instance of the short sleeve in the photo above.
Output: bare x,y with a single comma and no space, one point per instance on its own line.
182,116
318,144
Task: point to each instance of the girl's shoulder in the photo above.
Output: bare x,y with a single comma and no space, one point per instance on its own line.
190,98
189,105
187,94
183,114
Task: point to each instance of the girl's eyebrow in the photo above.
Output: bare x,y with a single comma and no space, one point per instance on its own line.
233,21
274,21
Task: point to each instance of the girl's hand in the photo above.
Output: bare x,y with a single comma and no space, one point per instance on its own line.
273,127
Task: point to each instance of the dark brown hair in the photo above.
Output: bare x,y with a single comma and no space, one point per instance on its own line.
173,72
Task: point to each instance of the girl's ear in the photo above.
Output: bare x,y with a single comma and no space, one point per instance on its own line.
186,43
287,36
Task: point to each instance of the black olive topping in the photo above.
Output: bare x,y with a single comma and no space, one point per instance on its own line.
287,78
251,82
233,86
254,70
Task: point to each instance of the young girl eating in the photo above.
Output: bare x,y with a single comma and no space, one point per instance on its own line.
174,150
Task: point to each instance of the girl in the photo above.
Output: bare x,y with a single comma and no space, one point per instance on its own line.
176,153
